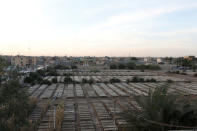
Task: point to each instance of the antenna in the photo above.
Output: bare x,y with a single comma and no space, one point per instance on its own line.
29,47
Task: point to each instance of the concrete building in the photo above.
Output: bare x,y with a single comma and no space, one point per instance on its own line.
23,61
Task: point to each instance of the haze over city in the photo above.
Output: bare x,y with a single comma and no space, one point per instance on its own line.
98,28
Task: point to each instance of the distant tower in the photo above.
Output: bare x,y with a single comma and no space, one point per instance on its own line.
29,48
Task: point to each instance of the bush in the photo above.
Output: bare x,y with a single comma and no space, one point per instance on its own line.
74,67
169,81
84,80
54,80
121,66
153,80
131,65
68,74
141,80
61,67
114,80
128,81
91,81
29,80
148,67
135,79
113,66
147,80
47,82
95,70
106,82
41,72
52,73
33,78
142,70
68,80
177,72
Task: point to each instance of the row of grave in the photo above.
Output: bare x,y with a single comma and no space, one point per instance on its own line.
88,115
118,73
105,90
60,79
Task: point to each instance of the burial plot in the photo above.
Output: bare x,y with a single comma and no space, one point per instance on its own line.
49,91
85,118
108,90
33,88
69,91
105,119
99,91
117,90
90,91
69,121
59,91
79,90
39,91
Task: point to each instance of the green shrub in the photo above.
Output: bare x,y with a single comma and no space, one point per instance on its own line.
177,72
47,82
153,80
68,74
128,81
121,66
68,80
114,80
54,80
169,81
41,72
135,79
52,73
113,66
61,67
141,80
74,67
91,81
131,66
84,80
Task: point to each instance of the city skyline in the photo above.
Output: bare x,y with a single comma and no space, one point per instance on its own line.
98,28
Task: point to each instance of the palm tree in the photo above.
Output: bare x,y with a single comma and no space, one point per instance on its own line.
160,111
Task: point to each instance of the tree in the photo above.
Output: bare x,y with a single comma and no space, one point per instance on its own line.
74,67
113,66
14,104
54,80
154,113
121,66
131,65
41,72
3,64
114,80
68,80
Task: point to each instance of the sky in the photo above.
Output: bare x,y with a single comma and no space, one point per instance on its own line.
98,27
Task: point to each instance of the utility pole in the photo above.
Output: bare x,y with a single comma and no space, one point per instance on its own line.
114,113
54,117
54,113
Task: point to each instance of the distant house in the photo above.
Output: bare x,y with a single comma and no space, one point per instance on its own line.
150,60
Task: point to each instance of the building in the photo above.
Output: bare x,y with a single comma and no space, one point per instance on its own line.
23,61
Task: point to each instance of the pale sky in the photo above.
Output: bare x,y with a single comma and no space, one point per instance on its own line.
98,27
